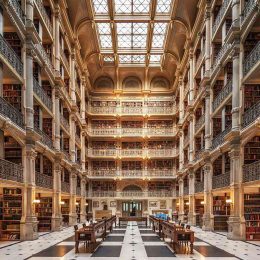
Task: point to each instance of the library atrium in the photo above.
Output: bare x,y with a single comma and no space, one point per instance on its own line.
129,129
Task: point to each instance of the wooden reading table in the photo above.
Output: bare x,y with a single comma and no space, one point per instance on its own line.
137,219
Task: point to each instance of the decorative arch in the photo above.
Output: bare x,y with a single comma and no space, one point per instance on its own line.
132,187
132,83
104,83
160,83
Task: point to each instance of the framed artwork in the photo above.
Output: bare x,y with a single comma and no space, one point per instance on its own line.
112,204
163,204
95,204
153,204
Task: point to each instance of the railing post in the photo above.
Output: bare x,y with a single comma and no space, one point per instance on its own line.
181,200
73,185
83,200
191,214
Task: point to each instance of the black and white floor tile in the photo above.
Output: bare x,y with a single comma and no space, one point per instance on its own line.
130,242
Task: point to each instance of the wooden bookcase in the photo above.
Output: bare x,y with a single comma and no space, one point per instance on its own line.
251,95
132,165
47,126
160,164
14,41
13,151
221,211
13,94
252,150
252,216
65,211
159,185
43,211
10,213
199,210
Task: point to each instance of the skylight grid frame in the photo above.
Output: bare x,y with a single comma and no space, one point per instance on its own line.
159,33
132,6
100,6
105,37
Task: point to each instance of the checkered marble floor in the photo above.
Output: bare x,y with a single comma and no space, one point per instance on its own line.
130,242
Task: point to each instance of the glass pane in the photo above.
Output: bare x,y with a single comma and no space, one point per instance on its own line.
100,6
132,6
163,6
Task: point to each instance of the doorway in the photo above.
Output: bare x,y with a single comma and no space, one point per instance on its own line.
132,208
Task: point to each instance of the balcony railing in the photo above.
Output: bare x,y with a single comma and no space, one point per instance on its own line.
45,139
220,15
137,194
252,59
103,173
65,60
11,112
66,154
78,191
249,8
106,110
103,152
9,54
200,122
199,187
132,110
199,153
160,110
11,171
161,152
43,180
106,131
103,193
65,122
44,15
186,190
65,187
132,173
16,6
77,139
40,92
132,131
45,57
223,94
160,173
251,114
219,139
166,131
251,172
220,181
160,194
220,56
132,153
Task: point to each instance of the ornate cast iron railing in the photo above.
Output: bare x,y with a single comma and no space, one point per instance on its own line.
251,172
222,95
65,187
11,171
199,123
251,114
186,190
16,6
199,187
220,181
252,59
64,122
219,139
249,8
43,180
45,139
220,56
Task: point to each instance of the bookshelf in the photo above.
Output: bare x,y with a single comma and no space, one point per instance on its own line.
10,213
13,151
65,211
199,210
250,42
132,124
103,145
217,87
160,164
14,41
13,94
252,150
228,115
160,123
251,95
47,87
159,185
221,211
131,165
252,216
103,124
47,126
217,126
78,210
104,186
103,165
43,211
160,145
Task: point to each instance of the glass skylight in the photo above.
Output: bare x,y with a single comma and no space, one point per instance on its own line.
132,6
132,35
128,58
163,6
100,6
125,28
105,38
159,32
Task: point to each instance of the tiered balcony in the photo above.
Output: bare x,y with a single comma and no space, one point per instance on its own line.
16,7
250,7
132,173
219,139
104,131
160,110
65,187
221,181
44,16
223,95
103,173
252,60
66,155
160,194
199,153
221,55
251,114
199,187
162,152
221,14
11,171
151,173
7,110
199,123
132,110
45,139
102,152
132,194
8,55
64,122
104,110
103,194
42,95
43,180
132,131
166,131
251,172
78,191
132,153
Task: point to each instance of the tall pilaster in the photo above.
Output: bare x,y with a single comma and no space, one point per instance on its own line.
191,78
207,119
83,200
208,218
192,139
72,138
181,200
73,185
56,211
208,38
181,153
192,213
73,77
29,221
57,119
57,38
236,222
1,64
